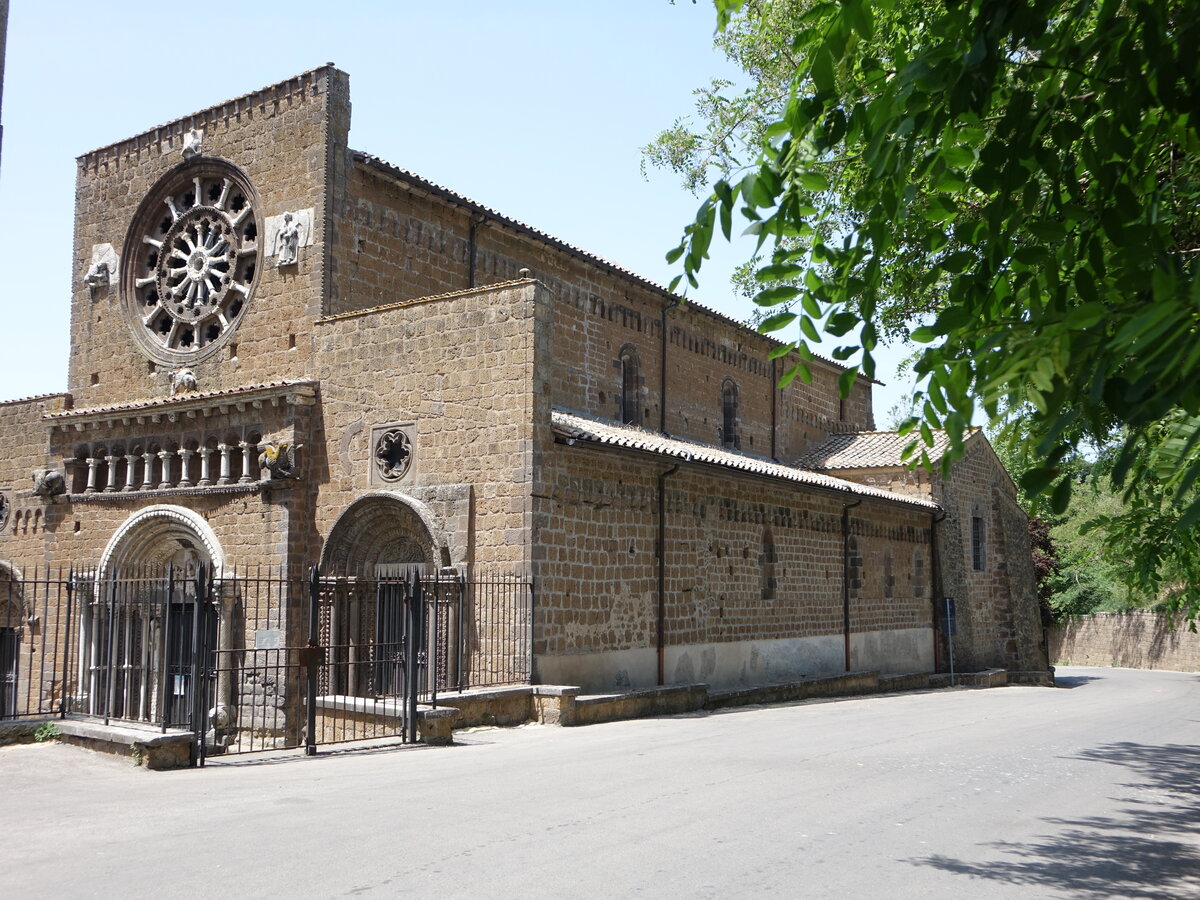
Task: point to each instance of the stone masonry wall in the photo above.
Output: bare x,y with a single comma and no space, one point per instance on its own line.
998,623
1138,639
280,137
460,370
22,449
747,560
397,241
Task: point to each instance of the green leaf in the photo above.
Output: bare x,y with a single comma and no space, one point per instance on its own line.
776,295
776,322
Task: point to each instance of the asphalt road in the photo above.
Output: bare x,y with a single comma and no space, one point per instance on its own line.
1088,790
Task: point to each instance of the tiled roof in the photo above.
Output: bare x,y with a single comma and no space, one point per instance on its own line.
869,450
578,428
447,194
248,392
34,399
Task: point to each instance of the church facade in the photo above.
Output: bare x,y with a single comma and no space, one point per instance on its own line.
287,352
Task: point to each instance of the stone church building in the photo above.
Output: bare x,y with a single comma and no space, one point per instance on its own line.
287,352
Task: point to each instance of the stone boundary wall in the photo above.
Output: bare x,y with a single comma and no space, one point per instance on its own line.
1138,639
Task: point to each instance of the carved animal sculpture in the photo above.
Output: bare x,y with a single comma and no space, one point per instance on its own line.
48,483
278,458
183,381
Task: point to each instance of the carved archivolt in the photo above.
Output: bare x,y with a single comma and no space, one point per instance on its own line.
156,534
191,260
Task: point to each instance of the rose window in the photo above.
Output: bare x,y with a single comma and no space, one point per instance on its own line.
191,260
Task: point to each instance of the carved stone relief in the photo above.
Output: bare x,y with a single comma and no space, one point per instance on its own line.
392,452
48,483
279,459
287,233
193,143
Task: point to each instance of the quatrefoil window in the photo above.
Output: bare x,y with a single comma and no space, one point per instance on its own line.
191,261
393,455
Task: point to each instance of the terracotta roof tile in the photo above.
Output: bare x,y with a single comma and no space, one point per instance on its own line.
867,450
245,392
597,431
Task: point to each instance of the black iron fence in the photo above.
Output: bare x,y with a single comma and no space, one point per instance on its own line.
257,659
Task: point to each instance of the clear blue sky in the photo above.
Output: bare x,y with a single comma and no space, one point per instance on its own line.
537,109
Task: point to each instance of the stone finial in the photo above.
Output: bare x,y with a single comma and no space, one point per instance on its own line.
48,483
524,273
183,381
193,143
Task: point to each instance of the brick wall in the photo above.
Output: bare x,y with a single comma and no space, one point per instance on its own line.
753,576
1138,639
397,240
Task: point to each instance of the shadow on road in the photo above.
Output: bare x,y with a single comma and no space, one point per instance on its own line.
1074,681
1147,849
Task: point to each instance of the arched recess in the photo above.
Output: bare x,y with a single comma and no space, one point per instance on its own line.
162,535
384,528
12,598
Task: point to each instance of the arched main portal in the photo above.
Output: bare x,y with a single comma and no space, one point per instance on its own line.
148,620
383,529
158,536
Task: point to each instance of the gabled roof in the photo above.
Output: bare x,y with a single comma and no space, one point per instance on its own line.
578,428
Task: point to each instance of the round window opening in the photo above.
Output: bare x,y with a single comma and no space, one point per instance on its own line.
191,261
393,455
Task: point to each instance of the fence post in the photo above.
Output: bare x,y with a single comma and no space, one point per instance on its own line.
65,662
412,643
310,701
166,689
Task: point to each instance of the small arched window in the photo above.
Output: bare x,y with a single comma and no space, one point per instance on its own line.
631,381
729,414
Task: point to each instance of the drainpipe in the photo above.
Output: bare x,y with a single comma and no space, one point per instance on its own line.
935,587
774,416
475,223
846,507
662,388
661,641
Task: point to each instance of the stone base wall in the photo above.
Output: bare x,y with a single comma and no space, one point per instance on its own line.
1140,639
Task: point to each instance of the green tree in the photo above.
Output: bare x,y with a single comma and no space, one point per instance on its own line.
1019,178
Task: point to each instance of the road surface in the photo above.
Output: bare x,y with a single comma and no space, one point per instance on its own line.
1089,790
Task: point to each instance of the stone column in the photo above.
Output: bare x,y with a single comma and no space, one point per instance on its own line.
165,456
130,461
225,450
111,486
246,462
92,463
205,479
184,455
147,471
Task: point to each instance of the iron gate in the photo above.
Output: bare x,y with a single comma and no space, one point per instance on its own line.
257,659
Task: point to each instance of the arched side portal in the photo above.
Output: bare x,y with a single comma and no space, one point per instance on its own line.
381,529
160,535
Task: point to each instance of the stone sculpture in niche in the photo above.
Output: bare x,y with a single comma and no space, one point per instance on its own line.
183,381
279,458
4,507
287,242
393,455
48,483
97,277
